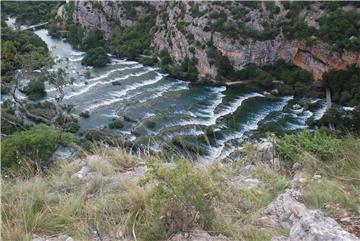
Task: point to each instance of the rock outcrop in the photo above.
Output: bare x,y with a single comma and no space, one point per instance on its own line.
108,16
304,224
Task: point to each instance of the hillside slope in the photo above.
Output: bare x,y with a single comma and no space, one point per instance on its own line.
223,37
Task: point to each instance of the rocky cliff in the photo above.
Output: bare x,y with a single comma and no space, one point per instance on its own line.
246,33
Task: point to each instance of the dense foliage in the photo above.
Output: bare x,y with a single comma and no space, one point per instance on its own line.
31,148
29,12
35,89
322,152
96,57
344,85
177,194
132,41
21,49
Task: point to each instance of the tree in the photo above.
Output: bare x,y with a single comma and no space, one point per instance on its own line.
96,57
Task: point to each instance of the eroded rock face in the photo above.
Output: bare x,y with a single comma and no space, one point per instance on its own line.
319,58
313,225
304,224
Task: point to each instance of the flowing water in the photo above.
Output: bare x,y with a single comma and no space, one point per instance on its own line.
159,110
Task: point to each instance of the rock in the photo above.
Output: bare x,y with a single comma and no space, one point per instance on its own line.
247,170
296,107
279,238
243,182
275,91
317,58
296,166
304,224
298,180
285,210
346,221
82,173
56,238
313,225
197,235
316,177
62,153
265,151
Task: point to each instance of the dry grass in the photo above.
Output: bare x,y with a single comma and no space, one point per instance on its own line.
58,204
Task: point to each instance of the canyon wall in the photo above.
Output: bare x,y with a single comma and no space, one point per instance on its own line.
185,34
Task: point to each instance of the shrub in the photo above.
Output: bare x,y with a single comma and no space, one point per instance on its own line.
35,90
116,123
318,194
173,205
85,114
323,153
32,148
96,57
344,85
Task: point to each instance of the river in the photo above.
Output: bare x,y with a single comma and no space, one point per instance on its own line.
159,110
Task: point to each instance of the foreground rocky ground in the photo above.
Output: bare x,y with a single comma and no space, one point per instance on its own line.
254,201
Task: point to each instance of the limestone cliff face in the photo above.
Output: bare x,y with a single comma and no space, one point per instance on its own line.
179,29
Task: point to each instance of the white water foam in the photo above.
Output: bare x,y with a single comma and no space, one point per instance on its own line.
76,59
123,61
318,114
116,96
214,117
217,152
89,86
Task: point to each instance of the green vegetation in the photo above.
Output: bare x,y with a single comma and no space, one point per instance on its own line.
296,81
239,29
335,159
10,123
85,114
96,57
116,123
344,85
169,199
21,49
132,41
29,12
342,29
35,90
31,148
338,28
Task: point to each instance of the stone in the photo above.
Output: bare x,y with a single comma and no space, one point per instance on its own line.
296,107
275,91
265,151
279,238
296,166
285,210
313,225
346,221
197,234
244,182
247,170
316,177
82,173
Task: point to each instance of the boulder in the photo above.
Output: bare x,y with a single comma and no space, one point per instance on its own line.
313,225
265,151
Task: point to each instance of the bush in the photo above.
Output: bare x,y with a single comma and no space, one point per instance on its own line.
32,148
179,195
344,85
132,41
96,57
85,114
35,90
320,143
116,123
